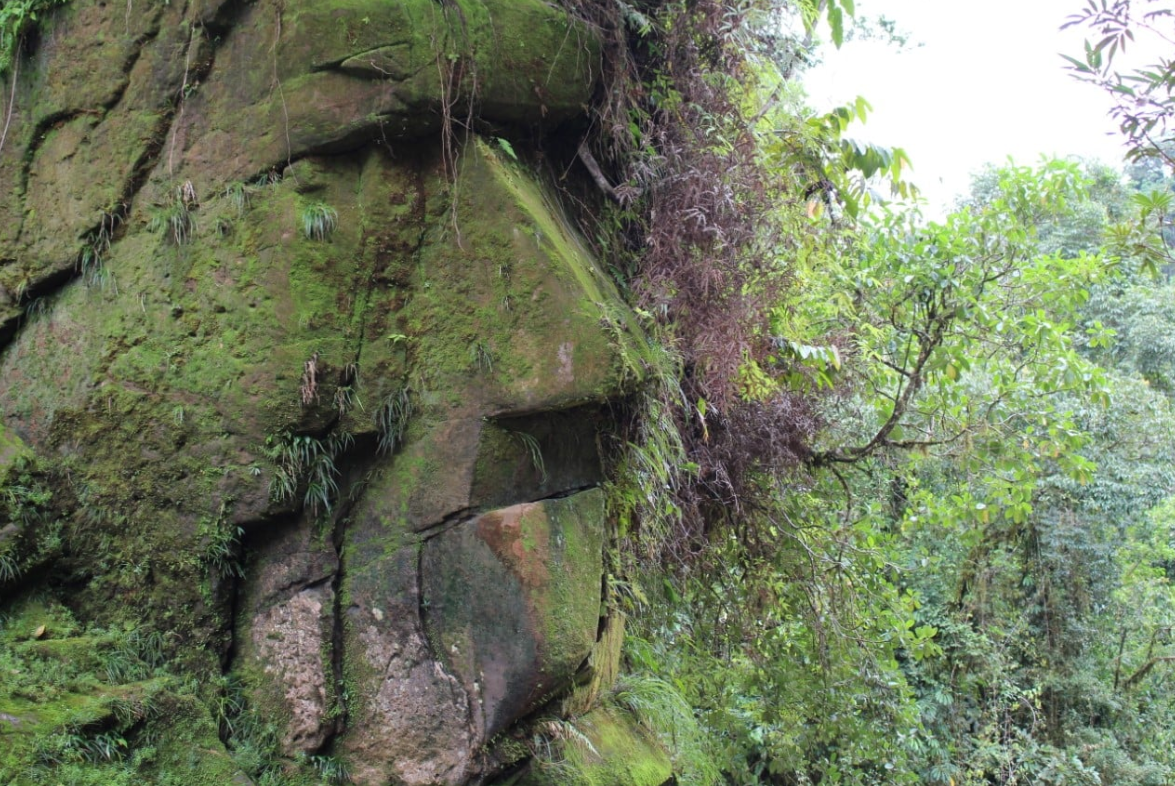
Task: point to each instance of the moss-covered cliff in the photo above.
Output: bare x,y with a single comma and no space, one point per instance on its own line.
302,370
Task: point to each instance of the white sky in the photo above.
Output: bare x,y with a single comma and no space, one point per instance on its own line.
987,83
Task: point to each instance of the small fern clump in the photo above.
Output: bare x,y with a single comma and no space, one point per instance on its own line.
239,195
319,221
9,569
481,356
391,419
95,247
661,708
176,220
330,769
222,554
302,459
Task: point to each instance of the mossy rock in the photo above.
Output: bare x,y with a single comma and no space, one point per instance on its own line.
513,601
12,450
171,332
607,748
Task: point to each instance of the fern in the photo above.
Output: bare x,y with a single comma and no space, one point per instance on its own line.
9,570
175,220
307,461
391,419
481,356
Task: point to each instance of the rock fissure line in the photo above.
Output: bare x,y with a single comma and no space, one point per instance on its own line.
336,63
103,109
449,522
565,493
466,515
337,644
297,585
338,535
226,16
138,43
234,610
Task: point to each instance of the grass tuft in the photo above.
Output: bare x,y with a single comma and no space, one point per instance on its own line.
9,570
319,221
330,769
481,357
175,220
536,454
391,419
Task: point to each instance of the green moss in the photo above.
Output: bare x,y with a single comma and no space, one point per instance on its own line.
86,705
12,450
571,605
603,667
505,274
606,747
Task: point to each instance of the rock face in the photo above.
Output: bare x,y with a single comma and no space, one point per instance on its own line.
298,337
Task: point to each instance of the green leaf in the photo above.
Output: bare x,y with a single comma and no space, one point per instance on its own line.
506,146
837,23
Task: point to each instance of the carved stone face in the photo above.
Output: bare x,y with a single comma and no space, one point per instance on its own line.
385,365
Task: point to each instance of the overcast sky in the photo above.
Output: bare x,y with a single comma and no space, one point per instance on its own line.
986,83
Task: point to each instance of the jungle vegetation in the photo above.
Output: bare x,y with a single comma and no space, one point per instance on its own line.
902,511
898,504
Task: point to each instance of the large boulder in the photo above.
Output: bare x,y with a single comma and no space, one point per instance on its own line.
316,373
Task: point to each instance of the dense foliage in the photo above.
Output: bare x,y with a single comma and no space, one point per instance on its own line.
914,527
16,18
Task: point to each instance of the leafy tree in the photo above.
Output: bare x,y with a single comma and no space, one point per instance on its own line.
1030,610
810,643
1144,101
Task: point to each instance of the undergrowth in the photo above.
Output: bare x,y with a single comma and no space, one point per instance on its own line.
26,504
102,685
255,742
222,549
17,19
